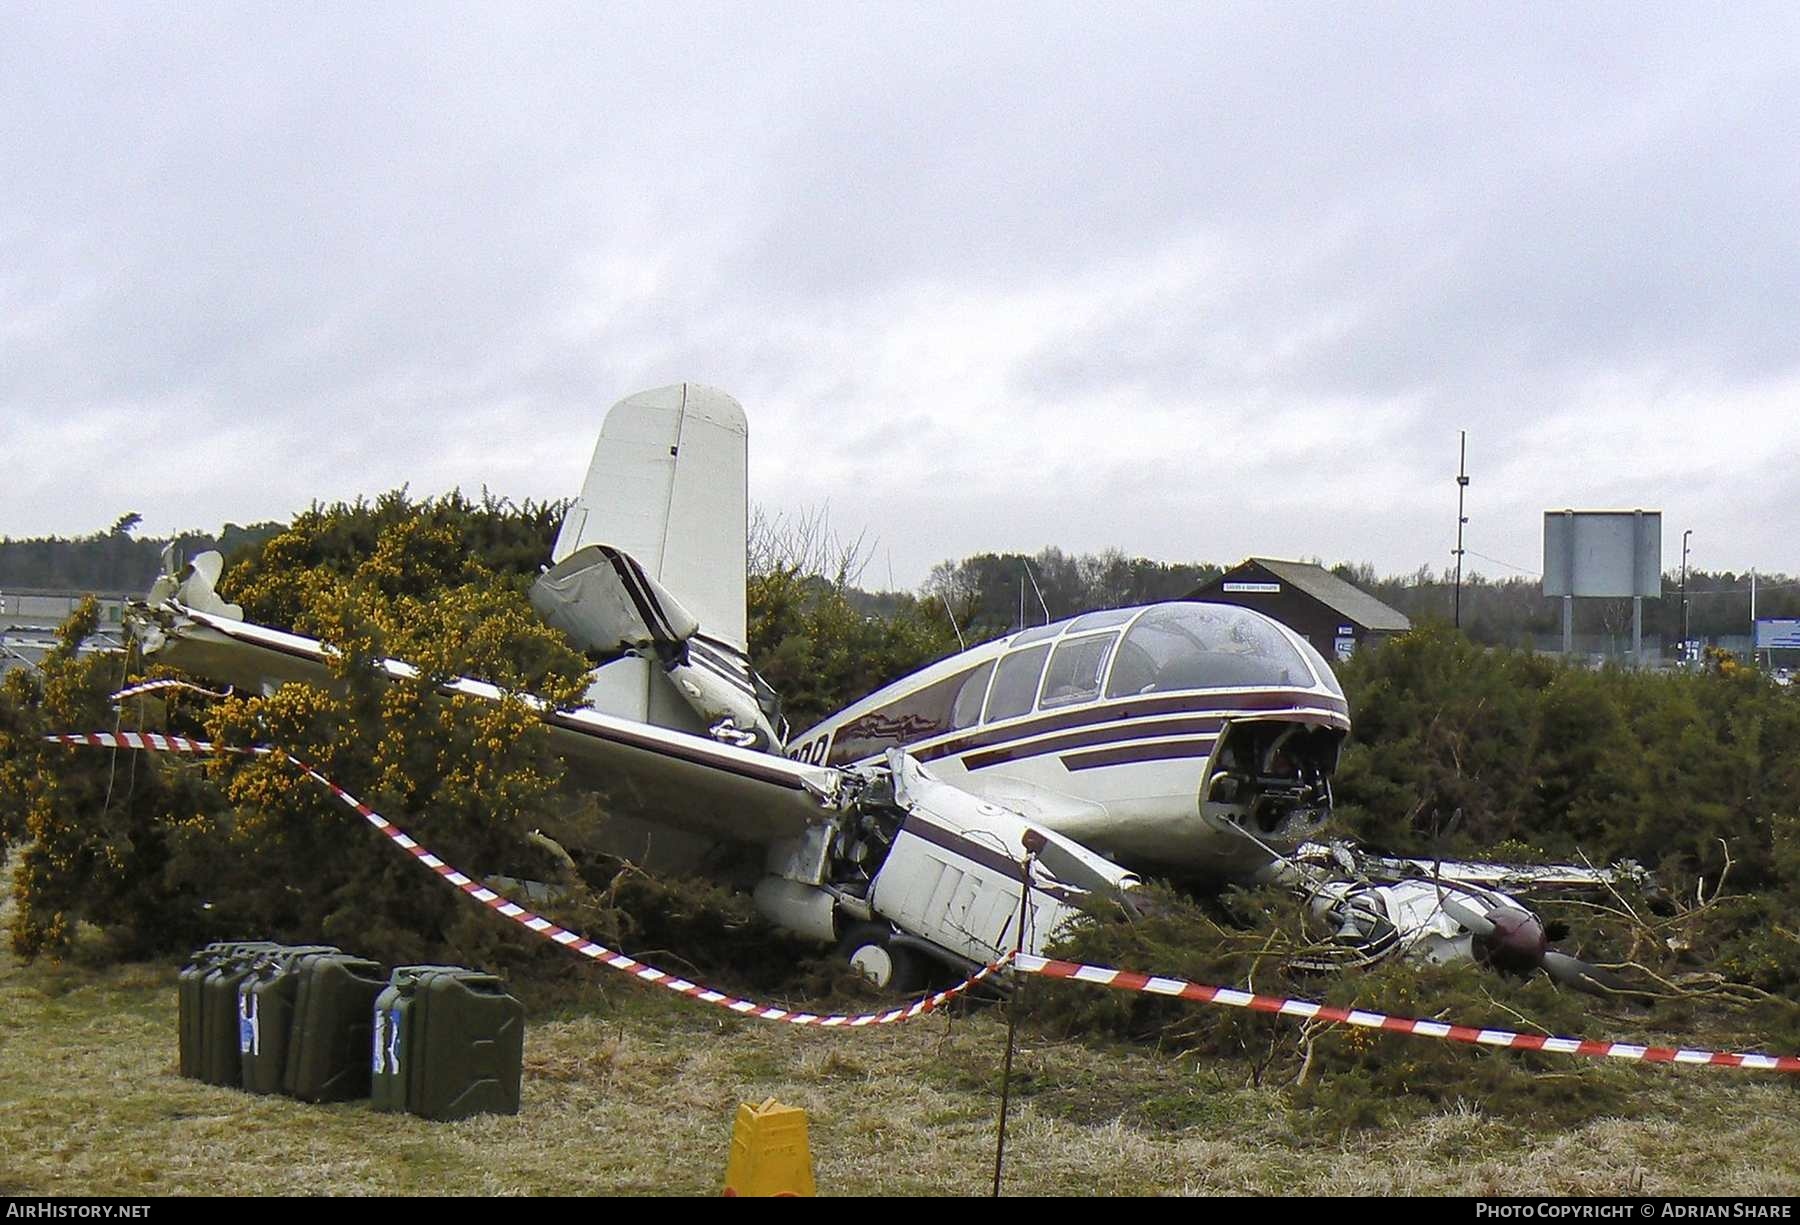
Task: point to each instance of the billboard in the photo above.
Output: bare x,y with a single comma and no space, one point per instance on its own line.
1777,634
1607,553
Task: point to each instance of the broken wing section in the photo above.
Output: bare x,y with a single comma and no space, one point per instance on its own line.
653,775
603,599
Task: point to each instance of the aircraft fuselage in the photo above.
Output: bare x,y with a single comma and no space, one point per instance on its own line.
1158,735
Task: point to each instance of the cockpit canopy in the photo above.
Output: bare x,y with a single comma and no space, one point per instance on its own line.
1116,653
1212,646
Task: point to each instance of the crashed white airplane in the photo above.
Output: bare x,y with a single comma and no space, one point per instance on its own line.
1185,739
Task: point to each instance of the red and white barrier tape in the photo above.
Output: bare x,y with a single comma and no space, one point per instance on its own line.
1119,980
1130,980
167,682
538,925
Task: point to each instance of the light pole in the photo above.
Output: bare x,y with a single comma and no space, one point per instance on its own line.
1684,604
1462,483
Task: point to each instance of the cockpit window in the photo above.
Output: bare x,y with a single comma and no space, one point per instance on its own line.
1016,683
1037,634
967,711
1075,670
1321,667
1204,646
1101,619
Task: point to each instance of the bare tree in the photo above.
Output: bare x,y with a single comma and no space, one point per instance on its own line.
805,544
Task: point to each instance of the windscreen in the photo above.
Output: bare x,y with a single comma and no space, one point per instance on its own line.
1204,646
1322,668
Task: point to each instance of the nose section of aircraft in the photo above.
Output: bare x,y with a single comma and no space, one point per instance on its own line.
1515,943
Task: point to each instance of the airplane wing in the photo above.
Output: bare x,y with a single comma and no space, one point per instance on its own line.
688,783
1512,876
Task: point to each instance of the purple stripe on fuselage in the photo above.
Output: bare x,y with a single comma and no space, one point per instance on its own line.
985,854
1108,733
1168,750
1317,707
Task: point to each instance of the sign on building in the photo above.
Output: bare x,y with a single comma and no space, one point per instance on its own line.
1777,634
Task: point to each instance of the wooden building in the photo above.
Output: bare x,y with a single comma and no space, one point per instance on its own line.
1335,616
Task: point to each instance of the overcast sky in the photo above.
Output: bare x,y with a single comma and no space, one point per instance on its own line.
1195,281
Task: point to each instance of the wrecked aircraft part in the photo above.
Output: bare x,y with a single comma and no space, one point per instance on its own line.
1188,739
1444,910
1438,922
883,956
725,702
807,912
878,843
954,872
727,732
605,602
1151,735
1513,943
913,868
882,833
1272,778
602,599
1106,976
194,585
695,785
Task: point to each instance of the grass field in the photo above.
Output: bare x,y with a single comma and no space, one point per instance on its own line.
629,1090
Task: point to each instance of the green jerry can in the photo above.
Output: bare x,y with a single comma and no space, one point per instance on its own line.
450,1044
200,963
393,1007
208,1008
328,1037
266,1013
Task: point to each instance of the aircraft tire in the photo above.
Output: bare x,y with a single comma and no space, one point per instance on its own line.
872,952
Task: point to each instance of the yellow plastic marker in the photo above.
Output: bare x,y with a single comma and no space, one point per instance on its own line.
770,1155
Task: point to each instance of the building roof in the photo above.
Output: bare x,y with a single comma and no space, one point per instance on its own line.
1349,601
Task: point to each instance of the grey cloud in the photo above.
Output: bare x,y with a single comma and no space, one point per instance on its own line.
363,247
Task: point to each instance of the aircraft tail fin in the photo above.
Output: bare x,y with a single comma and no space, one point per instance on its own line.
650,566
668,486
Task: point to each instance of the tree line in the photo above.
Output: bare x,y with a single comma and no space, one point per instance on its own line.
987,594
116,560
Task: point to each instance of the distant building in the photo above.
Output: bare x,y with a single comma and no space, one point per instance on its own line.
29,618
40,608
1335,616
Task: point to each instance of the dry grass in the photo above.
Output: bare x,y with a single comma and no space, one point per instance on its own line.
633,1092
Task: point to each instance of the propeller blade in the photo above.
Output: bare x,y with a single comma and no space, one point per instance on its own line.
1477,922
1573,972
209,565
198,590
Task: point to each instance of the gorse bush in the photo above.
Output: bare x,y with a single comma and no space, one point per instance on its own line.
1468,750
159,853
156,854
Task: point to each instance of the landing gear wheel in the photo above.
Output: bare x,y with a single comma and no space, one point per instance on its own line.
872,952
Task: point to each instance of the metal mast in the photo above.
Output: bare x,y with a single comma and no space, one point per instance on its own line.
1462,484
1684,602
